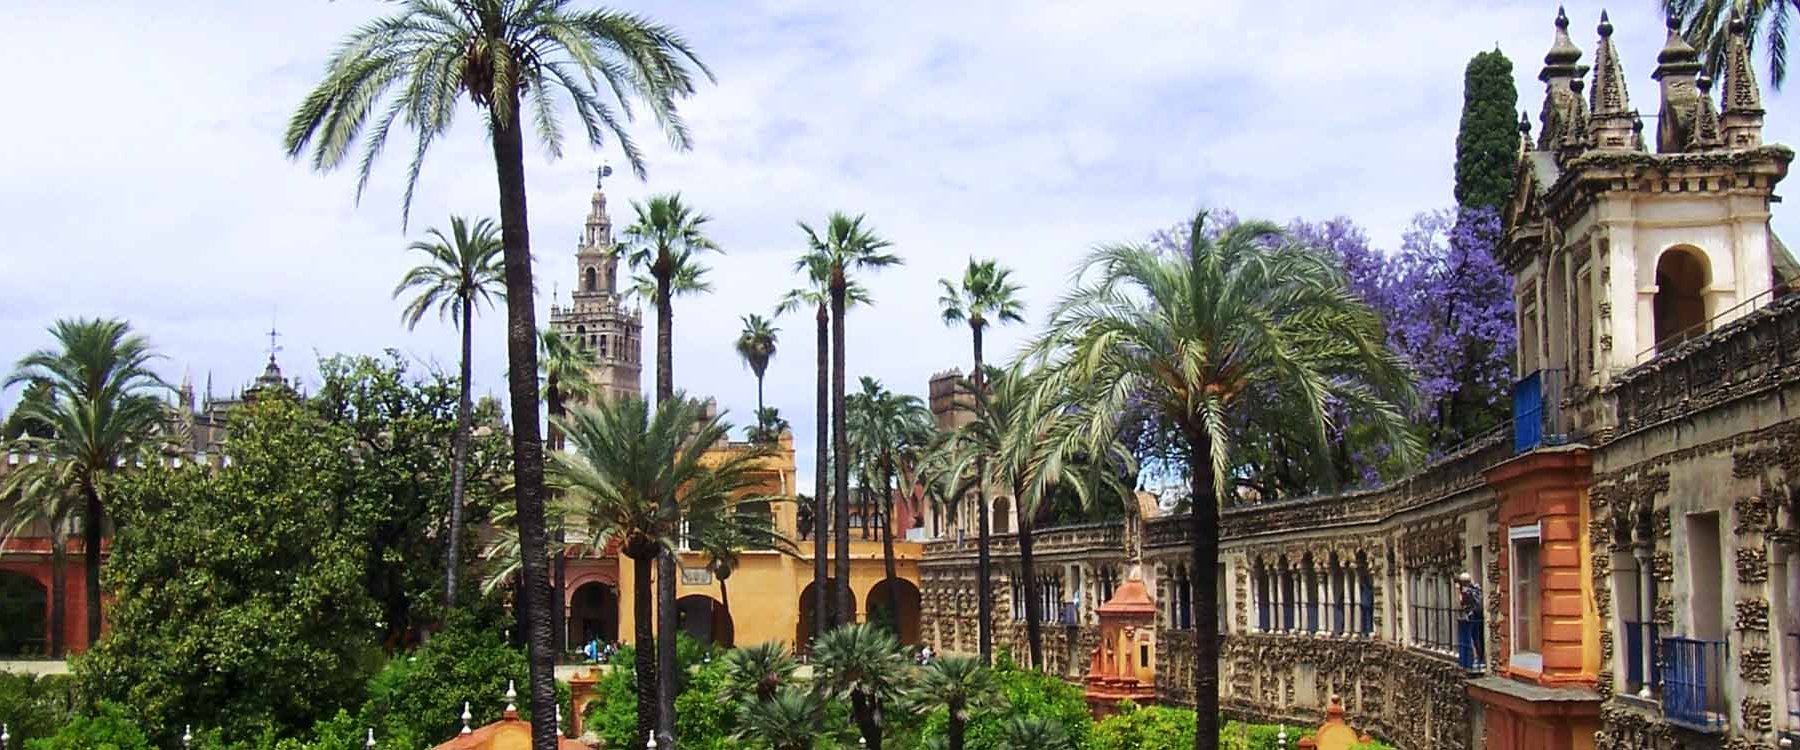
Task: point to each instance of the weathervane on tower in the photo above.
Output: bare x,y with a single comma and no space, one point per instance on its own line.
601,174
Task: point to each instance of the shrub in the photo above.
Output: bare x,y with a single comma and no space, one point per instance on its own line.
36,706
1135,728
109,729
1029,694
417,698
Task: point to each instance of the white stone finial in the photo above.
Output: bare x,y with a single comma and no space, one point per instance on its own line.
187,736
370,743
466,717
512,697
1281,738
862,741
4,736
558,723
651,745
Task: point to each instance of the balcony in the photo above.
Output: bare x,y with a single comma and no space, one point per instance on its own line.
1693,674
1638,655
1471,650
1537,411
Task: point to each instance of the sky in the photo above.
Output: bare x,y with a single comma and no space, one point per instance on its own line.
142,176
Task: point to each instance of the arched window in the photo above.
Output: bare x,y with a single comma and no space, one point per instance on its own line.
1001,522
1286,576
1680,307
591,279
1309,592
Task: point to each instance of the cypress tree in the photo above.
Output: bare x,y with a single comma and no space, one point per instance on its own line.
1487,142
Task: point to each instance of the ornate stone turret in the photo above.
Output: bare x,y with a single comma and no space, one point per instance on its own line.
1563,109
1743,108
1611,119
1676,67
1707,135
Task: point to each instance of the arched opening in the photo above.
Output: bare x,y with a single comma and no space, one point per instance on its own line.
904,623
23,615
593,615
591,279
704,619
809,614
1680,307
1001,520
581,337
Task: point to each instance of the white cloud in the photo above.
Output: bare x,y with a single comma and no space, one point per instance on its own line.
143,178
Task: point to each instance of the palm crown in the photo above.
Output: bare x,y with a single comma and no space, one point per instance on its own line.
663,241
986,294
413,65
845,245
567,366
103,393
464,268
756,343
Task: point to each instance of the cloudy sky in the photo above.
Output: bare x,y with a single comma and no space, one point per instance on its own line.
141,173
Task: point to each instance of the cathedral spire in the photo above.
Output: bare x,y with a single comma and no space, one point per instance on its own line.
1743,110
1610,107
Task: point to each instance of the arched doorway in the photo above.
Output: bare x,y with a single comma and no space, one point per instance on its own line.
1680,307
809,612
905,623
23,614
593,614
704,619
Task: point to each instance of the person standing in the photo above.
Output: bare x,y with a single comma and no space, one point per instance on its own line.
1469,623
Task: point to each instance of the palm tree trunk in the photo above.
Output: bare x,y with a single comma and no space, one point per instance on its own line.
665,563
984,563
725,605
522,387
957,728
90,540
559,585
645,661
887,546
459,456
840,448
1204,532
824,602
759,398
1034,609
862,709
59,586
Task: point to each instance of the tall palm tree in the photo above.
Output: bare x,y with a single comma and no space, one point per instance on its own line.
844,247
412,66
883,424
1710,26
664,241
463,272
636,478
817,295
962,686
1199,330
866,664
985,295
44,494
769,425
568,366
1030,444
756,346
103,409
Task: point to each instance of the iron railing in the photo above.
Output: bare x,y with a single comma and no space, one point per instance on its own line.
1638,637
1693,680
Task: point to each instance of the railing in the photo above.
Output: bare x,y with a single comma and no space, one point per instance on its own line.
1673,340
1638,636
1537,410
1433,627
1694,683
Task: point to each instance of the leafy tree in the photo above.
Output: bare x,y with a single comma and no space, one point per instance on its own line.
110,728
208,566
45,495
417,697
1244,316
464,272
961,687
505,55
38,396
844,247
1487,142
634,477
664,242
103,409
756,346
985,296
866,664
36,705
817,294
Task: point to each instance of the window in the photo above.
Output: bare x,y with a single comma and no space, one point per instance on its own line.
1431,599
1679,306
591,279
1365,595
1526,613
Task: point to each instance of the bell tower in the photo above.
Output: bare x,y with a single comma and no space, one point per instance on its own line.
597,318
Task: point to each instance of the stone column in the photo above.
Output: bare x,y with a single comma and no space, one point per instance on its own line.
1646,610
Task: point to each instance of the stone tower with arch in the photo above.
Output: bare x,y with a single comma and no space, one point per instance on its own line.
597,316
1624,243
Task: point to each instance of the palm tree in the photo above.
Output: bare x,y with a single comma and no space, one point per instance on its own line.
412,66
756,346
1035,733
1196,332
985,293
960,685
769,425
724,539
636,478
103,409
817,295
43,494
567,364
789,720
1711,24
464,271
1029,445
844,247
883,423
663,242
865,663
758,672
